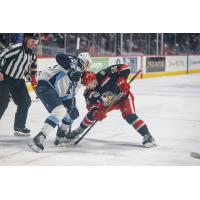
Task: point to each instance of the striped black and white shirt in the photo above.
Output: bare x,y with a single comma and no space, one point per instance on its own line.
15,60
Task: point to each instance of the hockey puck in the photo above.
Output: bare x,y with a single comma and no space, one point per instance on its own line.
195,155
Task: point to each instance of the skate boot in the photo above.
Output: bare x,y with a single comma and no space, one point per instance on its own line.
70,137
22,132
38,141
75,134
60,136
148,141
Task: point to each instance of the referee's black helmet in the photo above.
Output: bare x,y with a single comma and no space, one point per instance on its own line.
34,36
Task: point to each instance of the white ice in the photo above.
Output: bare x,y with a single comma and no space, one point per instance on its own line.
170,106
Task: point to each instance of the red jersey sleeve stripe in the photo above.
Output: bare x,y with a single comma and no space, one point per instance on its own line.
105,80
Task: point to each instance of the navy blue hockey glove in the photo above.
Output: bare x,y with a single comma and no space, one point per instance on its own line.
75,76
74,113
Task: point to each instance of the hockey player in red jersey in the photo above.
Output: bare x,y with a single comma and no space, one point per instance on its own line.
110,87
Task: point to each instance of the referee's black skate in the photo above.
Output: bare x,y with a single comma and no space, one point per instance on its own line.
148,141
22,132
38,142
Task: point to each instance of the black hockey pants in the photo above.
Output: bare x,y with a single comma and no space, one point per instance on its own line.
18,91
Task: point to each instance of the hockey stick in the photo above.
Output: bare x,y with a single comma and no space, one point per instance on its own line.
118,97
74,86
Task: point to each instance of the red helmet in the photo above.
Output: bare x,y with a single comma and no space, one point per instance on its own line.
87,77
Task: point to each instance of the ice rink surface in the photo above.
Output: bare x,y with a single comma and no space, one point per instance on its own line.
170,106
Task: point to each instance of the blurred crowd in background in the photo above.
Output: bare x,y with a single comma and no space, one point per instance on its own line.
112,44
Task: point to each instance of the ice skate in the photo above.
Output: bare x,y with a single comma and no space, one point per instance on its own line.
60,136
22,132
38,141
148,141
70,137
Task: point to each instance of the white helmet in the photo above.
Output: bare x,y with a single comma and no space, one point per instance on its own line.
84,61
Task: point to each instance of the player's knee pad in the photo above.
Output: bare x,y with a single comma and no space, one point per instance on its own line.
59,112
131,118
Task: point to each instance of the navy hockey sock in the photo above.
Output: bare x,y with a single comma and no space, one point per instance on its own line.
87,121
137,123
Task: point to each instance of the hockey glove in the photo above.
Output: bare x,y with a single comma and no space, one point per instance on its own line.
100,106
99,115
75,76
74,113
123,85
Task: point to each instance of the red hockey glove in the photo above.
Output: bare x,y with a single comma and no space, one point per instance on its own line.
100,106
33,82
99,115
123,85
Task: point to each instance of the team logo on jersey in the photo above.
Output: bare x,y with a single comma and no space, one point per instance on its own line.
107,98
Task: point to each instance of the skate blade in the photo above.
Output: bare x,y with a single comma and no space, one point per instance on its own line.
149,145
34,148
21,135
63,141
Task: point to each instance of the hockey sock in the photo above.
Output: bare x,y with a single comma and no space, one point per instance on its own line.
138,124
46,129
87,121
52,121
65,123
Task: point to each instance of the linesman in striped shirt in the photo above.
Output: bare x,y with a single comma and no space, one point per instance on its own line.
15,63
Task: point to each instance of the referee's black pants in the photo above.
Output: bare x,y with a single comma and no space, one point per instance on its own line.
19,93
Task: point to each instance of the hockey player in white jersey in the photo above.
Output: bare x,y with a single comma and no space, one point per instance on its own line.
55,91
